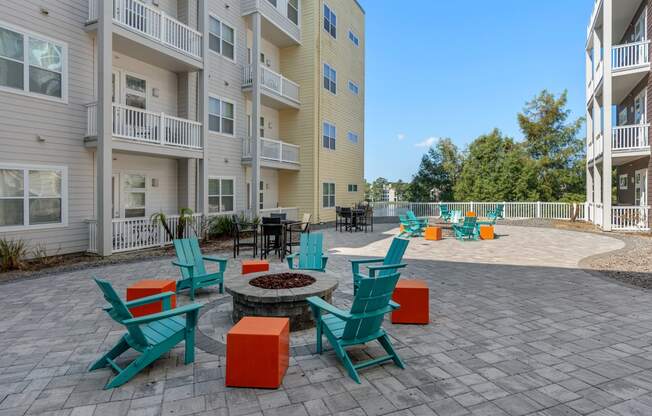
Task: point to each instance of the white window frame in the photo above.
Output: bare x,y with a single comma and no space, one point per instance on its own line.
26,198
334,138
353,187
219,36
298,22
222,178
353,134
354,88
126,90
622,182
64,65
327,70
330,23
221,100
334,195
354,38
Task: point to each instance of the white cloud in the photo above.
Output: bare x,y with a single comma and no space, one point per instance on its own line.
429,142
401,136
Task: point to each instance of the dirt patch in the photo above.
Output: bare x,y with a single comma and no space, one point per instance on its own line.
283,281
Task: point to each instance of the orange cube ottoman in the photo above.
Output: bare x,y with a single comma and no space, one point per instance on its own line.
257,352
401,228
486,232
254,266
471,214
432,233
151,287
414,298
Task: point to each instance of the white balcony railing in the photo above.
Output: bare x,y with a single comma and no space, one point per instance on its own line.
274,150
153,23
633,137
630,218
630,55
272,81
143,126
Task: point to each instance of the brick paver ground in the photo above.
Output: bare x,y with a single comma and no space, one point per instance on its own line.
517,329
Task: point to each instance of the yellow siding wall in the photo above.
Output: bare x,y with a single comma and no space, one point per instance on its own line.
304,64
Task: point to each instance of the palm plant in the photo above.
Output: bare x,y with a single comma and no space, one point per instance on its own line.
185,220
159,218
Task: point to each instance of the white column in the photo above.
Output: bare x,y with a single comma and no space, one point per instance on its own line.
607,101
255,112
202,112
104,129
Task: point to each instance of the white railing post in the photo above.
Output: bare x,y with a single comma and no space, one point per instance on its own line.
538,213
162,28
161,129
472,206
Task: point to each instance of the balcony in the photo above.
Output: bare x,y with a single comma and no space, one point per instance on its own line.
158,132
630,218
277,91
630,56
630,142
279,20
273,154
142,31
597,8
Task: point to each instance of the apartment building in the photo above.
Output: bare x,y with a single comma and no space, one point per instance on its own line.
111,111
618,93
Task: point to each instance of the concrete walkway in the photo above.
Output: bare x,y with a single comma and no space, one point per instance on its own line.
517,329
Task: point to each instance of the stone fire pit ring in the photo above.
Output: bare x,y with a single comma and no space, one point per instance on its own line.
250,300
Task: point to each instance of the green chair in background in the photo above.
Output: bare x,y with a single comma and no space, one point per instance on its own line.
311,254
193,271
381,266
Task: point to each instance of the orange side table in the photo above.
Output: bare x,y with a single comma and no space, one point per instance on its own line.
486,232
471,214
257,352
254,266
401,228
413,296
432,233
151,287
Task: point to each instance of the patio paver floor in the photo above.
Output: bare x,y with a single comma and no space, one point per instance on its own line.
516,329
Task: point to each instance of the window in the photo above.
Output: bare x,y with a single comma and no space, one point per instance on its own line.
30,64
330,79
221,38
32,196
328,199
353,137
353,87
353,38
273,2
353,188
135,186
330,21
330,136
293,11
622,182
221,116
221,194
136,92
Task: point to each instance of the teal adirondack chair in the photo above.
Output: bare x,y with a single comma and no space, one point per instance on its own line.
389,264
423,222
410,228
467,230
445,213
151,335
493,216
193,271
311,253
360,325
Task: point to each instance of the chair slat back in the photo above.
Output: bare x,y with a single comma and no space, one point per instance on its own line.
371,299
443,209
499,211
394,255
469,222
411,216
188,251
119,311
311,251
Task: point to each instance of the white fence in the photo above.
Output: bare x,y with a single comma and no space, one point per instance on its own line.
148,21
630,218
274,150
272,81
513,210
630,55
143,126
633,137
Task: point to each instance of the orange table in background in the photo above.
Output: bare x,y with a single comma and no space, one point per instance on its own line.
432,233
471,214
254,266
486,232
257,352
144,288
414,298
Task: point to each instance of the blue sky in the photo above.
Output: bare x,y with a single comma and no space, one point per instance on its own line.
443,69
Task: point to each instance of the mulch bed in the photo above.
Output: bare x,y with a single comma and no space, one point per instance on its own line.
282,281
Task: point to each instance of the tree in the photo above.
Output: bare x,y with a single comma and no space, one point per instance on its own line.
495,169
377,188
551,141
367,191
439,169
401,189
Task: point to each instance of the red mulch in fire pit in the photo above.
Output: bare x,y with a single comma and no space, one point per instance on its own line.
282,281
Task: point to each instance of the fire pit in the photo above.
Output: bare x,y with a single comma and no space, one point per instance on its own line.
280,294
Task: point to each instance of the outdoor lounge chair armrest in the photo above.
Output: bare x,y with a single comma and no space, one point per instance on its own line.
184,265
374,269
324,260
356,263
149,299
290,259
214,259
182,310
394,305
317,302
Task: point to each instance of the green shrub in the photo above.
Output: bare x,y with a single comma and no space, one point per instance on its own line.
12,254
220,226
